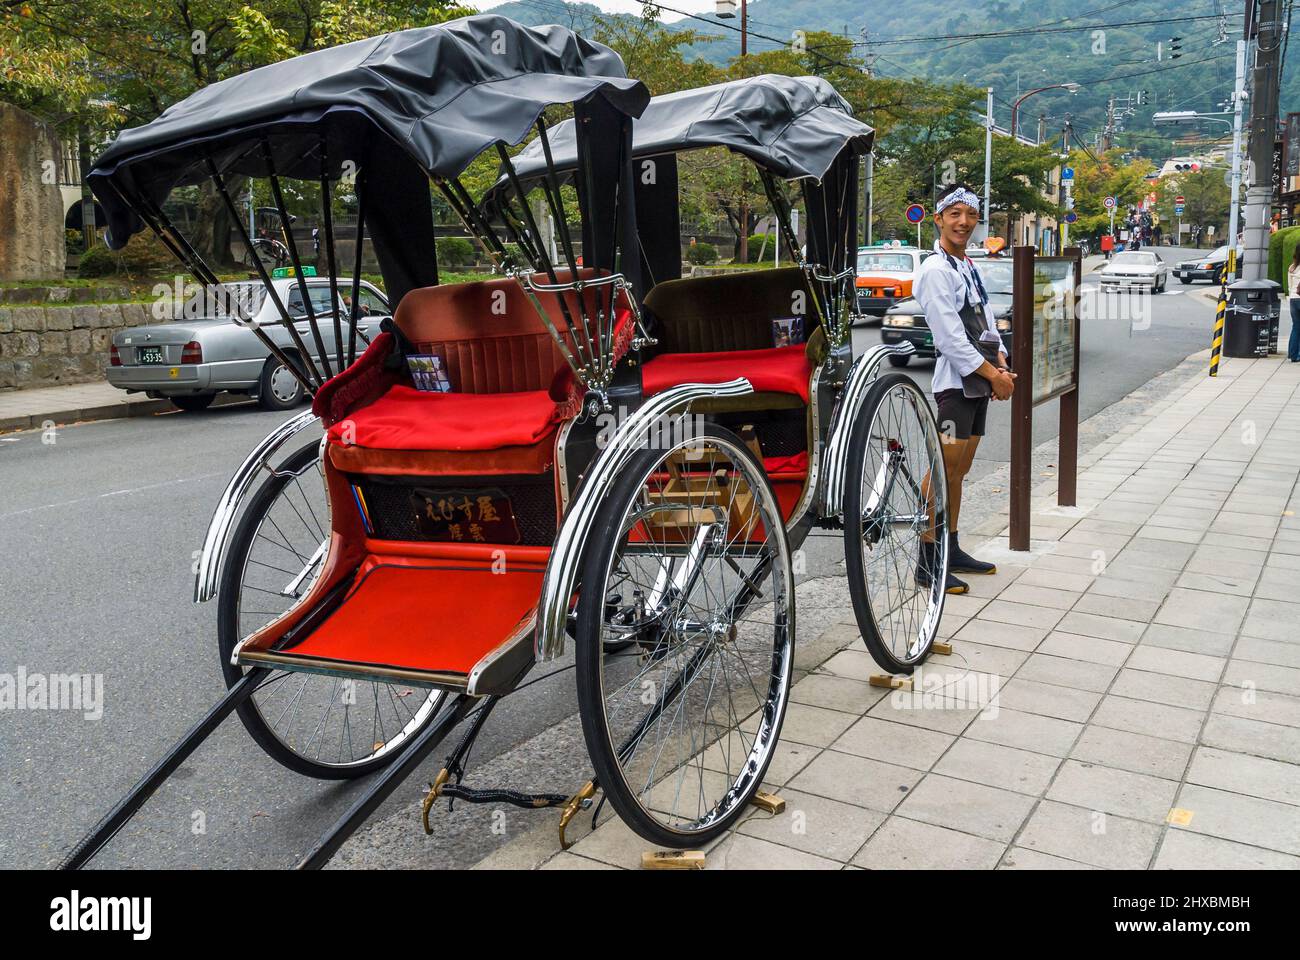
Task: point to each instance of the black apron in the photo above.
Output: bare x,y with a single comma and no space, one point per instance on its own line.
973,321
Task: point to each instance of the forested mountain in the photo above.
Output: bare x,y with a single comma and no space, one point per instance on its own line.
1033,43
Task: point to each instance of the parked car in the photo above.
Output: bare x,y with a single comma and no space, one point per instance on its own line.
192,359
905,321
885,276
1135,268
1209,267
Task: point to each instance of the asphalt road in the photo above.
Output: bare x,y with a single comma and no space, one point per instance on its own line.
99,530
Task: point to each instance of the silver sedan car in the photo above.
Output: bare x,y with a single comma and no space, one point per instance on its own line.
1135,268
191,359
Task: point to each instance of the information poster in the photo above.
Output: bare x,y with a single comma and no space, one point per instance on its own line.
1054,319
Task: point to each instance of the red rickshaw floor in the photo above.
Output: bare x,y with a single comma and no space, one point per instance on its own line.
435,614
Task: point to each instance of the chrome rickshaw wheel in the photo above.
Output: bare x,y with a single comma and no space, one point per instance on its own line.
895,502
688,565
321,726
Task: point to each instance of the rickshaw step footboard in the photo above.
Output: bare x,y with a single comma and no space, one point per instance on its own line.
127,807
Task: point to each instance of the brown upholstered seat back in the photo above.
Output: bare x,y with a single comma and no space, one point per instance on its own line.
489,333
728,312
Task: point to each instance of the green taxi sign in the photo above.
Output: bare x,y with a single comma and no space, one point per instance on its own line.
279,273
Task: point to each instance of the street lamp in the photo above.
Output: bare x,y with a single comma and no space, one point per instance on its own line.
1015,107
726,10
1173,118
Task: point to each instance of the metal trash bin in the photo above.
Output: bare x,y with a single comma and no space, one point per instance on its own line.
1251,324
1275,319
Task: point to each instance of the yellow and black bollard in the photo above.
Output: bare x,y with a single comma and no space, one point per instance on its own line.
1221,313
1216,347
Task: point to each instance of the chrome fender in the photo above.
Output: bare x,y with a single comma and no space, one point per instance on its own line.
570,541
223,518
835,453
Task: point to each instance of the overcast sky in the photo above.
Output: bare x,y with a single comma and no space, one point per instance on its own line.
617,6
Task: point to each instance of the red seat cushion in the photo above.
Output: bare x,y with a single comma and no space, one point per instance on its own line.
408,419
774,370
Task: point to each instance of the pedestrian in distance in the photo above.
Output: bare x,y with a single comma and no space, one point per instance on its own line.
1293,299
1107,244
969,369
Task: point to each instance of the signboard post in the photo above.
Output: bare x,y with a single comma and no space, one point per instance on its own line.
1045,357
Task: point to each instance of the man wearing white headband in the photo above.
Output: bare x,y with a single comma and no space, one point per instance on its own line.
970,365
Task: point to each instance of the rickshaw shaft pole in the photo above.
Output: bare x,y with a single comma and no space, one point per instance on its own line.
386,781
164,768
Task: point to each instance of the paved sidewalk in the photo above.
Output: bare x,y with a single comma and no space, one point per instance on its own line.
1126,695
29,409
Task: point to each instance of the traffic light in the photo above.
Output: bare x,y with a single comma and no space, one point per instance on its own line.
1175,47
1187,167
1144,98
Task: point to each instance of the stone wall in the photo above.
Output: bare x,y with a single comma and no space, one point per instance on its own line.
31,204
47,338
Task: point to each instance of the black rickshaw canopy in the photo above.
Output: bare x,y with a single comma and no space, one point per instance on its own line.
396,111
440,95
795,127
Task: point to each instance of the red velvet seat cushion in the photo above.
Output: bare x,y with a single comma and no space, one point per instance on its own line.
774,370
408,419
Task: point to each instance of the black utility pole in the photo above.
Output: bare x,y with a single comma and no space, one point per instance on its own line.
1265,80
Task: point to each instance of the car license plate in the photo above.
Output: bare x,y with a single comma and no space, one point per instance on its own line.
152,354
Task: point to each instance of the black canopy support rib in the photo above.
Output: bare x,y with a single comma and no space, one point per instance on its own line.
518,232
126,808
298,369
327,220
297,260
781,207
585,166
356,276
461,202
553,195
585,350
175,241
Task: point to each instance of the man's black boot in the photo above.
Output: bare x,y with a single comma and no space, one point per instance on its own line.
926,566
962,562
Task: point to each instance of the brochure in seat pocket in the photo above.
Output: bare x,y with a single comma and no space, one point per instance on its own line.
429,372
787,331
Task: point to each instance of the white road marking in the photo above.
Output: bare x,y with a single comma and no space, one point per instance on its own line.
112,493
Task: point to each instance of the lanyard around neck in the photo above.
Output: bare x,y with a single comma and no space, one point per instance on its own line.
981,295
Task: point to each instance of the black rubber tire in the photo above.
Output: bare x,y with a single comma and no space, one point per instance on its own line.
267,399
899,361
588,654
857,575
228,634
193,401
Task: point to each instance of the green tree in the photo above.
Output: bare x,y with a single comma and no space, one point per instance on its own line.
128,60
1106,175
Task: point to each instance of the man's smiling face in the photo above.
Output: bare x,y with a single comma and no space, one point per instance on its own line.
956,224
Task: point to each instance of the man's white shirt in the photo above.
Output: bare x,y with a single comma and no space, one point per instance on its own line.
942,292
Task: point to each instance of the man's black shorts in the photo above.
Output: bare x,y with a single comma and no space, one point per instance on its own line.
959,416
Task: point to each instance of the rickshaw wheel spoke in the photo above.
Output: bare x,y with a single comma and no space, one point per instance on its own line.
895,501
689,564
321,726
